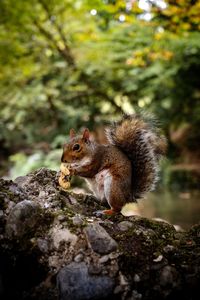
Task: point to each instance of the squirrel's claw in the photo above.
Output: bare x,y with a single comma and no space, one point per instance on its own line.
108,212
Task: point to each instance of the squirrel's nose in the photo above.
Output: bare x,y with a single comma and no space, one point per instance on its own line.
63,160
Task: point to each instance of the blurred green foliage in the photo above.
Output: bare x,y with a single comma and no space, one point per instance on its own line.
81,63
23,164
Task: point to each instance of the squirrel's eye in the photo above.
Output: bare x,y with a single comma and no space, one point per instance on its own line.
76,147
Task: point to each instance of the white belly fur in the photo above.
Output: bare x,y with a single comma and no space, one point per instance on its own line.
101,184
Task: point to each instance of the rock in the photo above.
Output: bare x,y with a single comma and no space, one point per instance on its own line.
123,280
104,259
79,257
136,278
23,218
77,220
42,194
135,295
10,205
43,233
61,218
125,225
178,228
75,283
54,261
60,235
9,191
43,245
169,277
21,181
114,268
72,200
168,248
158,259
99,240
160,220
114,255
15,191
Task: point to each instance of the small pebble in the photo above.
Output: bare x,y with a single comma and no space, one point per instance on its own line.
72,200
65,224
178,228
168,248
77,220
104,259
42,194
118,289
114,255
136,295
125,225
79,257
42,245
158,259
136,278
61,217
123,279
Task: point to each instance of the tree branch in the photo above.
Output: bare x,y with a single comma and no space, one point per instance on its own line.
68,57
51,39
66,52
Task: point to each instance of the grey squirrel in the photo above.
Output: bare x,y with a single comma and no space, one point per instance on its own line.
123,170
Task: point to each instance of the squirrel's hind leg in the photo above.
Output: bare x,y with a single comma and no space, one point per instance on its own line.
118,194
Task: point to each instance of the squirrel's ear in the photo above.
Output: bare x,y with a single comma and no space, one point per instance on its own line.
72,133
86,134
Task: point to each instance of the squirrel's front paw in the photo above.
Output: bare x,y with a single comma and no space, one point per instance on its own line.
72,170
64,168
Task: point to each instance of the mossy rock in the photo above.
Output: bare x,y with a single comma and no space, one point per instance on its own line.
149,259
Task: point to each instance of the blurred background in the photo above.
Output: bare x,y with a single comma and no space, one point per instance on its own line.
82,63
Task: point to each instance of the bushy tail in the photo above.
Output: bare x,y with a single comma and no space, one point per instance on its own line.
139,138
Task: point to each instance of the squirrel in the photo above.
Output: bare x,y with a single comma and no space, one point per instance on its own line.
124,169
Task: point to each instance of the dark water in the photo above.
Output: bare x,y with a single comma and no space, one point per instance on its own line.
175,207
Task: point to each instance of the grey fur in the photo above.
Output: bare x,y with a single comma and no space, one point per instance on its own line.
141,144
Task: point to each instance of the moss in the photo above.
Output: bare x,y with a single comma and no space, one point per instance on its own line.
2,202
141,243
9,190
195,233
46,219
